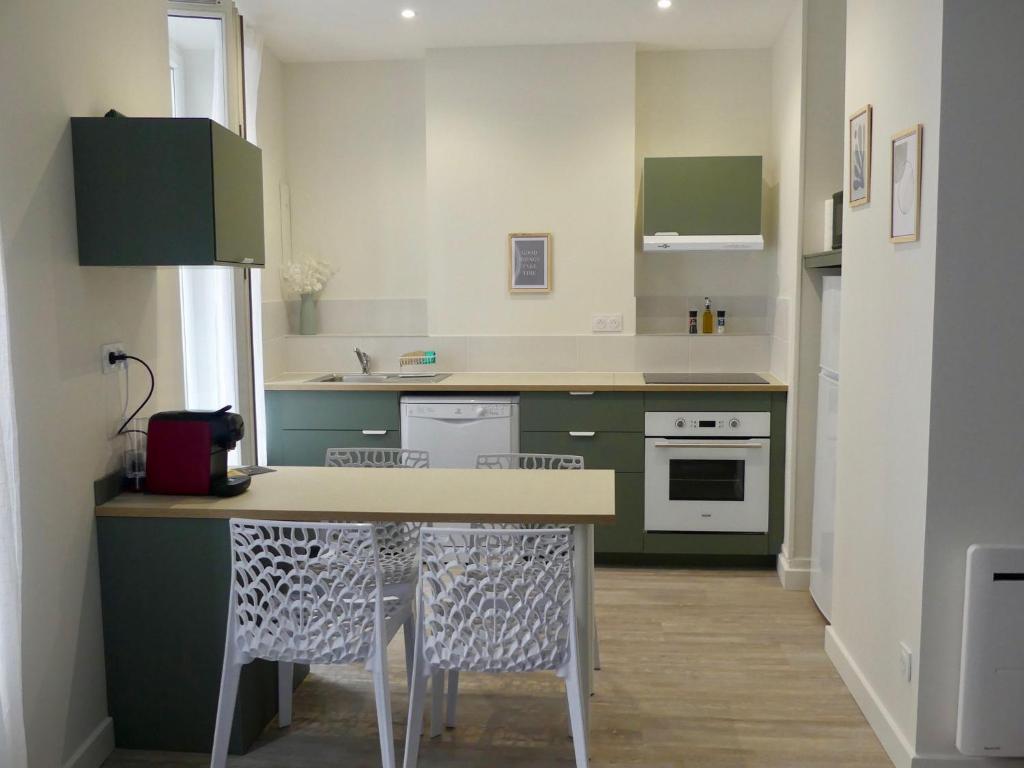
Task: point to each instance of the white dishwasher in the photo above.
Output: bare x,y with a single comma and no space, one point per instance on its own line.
455,429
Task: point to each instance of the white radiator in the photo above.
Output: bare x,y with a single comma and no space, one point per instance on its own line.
991,716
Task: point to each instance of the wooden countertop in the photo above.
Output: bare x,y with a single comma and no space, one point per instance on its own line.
312,494
520,382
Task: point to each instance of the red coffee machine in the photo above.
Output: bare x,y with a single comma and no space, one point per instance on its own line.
187,453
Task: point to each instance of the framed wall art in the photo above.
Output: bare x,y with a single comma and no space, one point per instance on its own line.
859,172
905,213
529,262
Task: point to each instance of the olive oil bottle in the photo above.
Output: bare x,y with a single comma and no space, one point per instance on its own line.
707,319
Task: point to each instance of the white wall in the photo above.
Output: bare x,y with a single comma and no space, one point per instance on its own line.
356,164
975,483
703,103
72,59
530,139
893,58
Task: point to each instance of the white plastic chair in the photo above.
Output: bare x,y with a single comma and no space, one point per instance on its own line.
384,458
540,461
496,600
308,593
528,461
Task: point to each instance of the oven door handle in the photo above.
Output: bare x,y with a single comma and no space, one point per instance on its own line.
708,444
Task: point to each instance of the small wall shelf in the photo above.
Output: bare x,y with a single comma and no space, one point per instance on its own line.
824,259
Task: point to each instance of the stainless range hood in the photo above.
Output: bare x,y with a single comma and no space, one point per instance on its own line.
702,203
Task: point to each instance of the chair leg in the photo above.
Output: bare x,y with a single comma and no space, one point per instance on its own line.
436,704
285,681
382,696
409,629
417,701
225,710
574,693
453,697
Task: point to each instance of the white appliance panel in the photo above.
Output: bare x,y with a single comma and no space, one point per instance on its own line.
824,512
831,291
456,429
991,706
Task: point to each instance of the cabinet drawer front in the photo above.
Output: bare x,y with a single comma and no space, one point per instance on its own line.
308,447
622,451
333,410
627,533
604,411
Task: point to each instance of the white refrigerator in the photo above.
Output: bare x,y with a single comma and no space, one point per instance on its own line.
824,515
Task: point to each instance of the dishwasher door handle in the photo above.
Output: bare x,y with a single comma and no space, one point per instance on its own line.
581,394
582,434
375,431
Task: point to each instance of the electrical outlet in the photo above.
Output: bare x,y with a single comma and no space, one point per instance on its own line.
118,349
906,662
606,323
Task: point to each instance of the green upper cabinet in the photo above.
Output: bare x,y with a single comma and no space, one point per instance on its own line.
702,203
166,192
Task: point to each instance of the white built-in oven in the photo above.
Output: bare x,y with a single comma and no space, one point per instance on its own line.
707,472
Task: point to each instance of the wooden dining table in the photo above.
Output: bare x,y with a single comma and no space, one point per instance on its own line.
165,577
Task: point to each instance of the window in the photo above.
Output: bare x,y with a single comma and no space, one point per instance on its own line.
216,328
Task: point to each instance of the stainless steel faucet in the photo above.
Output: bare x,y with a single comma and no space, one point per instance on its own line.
364,361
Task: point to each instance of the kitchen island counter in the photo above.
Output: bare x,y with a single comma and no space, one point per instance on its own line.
165,577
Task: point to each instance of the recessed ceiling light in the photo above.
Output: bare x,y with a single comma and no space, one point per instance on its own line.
409,13
663,4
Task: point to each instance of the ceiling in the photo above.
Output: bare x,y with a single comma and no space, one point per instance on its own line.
338,30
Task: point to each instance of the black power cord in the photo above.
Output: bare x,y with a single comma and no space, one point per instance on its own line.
116,357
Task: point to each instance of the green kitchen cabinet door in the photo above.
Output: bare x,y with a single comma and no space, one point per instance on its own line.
563,411
621,451
308,447
333,410
626,535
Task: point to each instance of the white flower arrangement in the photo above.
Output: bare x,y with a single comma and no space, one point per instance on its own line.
306,275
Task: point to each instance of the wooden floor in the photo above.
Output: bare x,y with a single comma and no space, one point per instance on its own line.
701,669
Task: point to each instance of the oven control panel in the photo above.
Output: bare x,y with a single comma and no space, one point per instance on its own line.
707,424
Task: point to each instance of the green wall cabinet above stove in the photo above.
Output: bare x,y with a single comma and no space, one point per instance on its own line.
166,192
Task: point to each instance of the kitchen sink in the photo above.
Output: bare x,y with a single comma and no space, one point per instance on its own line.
380,378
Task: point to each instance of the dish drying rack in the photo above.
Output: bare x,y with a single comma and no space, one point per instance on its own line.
411,364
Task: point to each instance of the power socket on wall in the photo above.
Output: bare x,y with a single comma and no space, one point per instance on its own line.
606,323
116,348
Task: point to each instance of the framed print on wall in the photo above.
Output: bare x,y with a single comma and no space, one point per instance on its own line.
859,172
905,213
529,262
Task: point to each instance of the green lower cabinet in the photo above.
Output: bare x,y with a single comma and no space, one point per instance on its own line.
627,534
307,447
621,451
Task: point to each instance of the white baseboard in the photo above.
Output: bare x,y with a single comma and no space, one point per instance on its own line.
893,740
794,573
95,749
963,761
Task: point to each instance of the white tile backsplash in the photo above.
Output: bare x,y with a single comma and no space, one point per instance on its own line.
521,353
529,353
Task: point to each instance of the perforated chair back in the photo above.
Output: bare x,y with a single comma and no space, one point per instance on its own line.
528,461
398,542
496,600
386,458
304,592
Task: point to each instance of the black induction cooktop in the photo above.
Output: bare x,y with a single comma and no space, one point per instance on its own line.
704,378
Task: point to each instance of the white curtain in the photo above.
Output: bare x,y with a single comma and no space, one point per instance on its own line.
12,720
